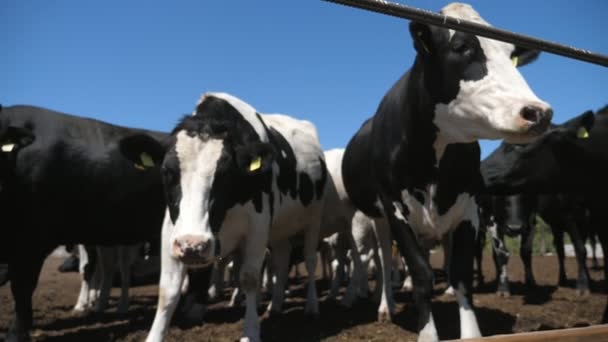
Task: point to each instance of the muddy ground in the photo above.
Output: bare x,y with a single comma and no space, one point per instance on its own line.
547,307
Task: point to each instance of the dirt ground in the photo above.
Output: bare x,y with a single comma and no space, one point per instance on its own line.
547,307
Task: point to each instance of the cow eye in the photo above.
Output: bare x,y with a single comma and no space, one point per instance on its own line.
462,48
168,175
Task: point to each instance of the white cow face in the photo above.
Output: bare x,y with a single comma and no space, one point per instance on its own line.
215,161
474,84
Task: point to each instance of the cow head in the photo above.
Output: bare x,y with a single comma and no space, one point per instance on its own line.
561,159
474,84
215,160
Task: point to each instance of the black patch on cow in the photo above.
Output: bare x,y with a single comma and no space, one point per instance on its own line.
320,183
172,182
306,189
287,179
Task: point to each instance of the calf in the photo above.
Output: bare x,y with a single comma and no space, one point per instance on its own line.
571,158
415,163
68,180
237,181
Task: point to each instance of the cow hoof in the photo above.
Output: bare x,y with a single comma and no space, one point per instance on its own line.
583,292
503,293
384,317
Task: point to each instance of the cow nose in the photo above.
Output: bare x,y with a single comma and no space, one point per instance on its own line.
539,117
191,247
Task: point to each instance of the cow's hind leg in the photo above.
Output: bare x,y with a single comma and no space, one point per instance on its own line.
558,242
106,264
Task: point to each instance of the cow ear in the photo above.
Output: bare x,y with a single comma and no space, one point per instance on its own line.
522,56
15,138
422,37
255,158
584,125
144,151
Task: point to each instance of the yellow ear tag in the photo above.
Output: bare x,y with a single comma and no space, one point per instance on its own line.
582,133
8,147
515,60
146,160
255,164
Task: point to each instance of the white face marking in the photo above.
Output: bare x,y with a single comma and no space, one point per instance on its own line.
489,108
198,160
424,217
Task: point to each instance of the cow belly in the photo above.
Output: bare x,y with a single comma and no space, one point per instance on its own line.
425,219
293,219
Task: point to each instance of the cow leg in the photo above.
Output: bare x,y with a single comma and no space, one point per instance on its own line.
310,260
420,268
593,242
106,261
578,241
358,236
217,281
279,263
480,243
387,302
461,272
253,257
172,273
501,258
558,242
24,278
446,242
525,250
126,257
83,298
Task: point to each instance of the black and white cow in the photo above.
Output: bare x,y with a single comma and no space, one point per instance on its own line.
571,158
508,216
416,161
69,180
237,181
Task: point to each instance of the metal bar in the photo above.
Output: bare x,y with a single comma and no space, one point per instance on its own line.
412,13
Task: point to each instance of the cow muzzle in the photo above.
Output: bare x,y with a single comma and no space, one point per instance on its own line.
194,250
538,118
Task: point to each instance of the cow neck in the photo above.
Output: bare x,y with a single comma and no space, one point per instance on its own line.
421,132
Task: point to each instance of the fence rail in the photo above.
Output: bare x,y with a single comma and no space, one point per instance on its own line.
412,13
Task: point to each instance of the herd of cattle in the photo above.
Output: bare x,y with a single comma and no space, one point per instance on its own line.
231,184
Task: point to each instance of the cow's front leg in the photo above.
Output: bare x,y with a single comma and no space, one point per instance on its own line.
461,277
501,259
420,268
526,244
279,265
106,257
578,242
172,273
387,302
24,278
249,276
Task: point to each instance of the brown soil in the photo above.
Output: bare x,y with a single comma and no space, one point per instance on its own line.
547,307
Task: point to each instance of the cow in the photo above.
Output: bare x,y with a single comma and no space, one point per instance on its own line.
237,181
415,163
68,180
510,216
571,158
98,273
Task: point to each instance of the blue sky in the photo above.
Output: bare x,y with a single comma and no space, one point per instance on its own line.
145,63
